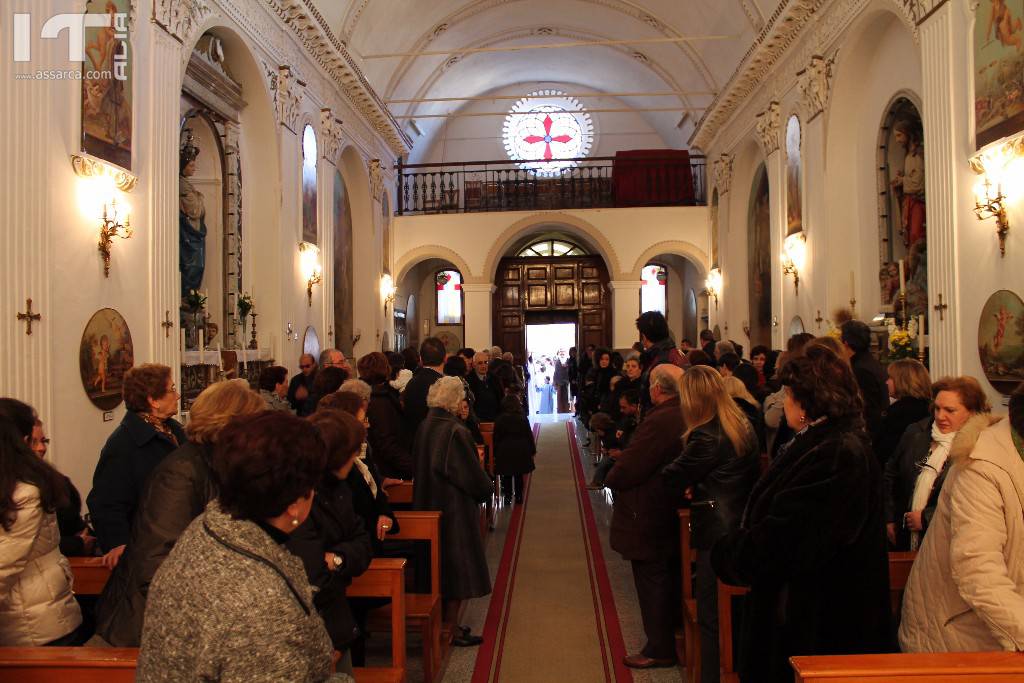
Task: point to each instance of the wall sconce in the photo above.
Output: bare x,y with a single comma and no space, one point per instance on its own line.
794,256
309,260
387,290
713,284
116,222
1000,167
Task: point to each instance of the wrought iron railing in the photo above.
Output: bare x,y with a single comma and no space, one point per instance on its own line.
595,182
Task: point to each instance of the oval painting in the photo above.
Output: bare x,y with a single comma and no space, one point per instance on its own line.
796,326
1001,340
105,355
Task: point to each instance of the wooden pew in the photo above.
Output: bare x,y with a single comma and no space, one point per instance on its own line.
946,667
385,578
400,493
90,576
423,610
691,631
77,664
899,572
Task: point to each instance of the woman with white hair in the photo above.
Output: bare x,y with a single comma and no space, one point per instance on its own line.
449,478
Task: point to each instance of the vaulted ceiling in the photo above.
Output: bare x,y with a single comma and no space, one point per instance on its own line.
425,36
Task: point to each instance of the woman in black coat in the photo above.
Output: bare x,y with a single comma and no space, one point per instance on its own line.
719,462
514,448
811,544
332,543
176,493
388,436
910,387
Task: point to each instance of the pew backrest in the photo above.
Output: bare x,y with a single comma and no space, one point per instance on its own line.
385,578
687,553
90,576
423,526
400,493
78,664
946,667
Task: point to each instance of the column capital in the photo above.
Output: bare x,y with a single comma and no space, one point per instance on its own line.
485,287
625,284
767,126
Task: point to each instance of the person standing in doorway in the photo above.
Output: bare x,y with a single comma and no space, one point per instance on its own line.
547,396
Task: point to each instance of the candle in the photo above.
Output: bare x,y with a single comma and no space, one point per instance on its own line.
202,340
182,340
903,279
920,334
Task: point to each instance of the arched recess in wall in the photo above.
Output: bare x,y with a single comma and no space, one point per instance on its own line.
432,301
239,116
692,319
759,260
879,63
362,314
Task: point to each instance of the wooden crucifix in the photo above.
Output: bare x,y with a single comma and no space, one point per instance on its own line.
941,308
167,324
28,316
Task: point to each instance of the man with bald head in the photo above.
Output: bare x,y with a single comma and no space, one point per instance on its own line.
645,525
484,388
301,385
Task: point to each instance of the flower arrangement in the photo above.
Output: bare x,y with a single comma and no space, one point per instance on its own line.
245,304
194,301
901,341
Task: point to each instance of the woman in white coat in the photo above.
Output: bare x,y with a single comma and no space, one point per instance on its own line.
37,606
966,590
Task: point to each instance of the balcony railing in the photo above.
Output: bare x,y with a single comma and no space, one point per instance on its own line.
595,182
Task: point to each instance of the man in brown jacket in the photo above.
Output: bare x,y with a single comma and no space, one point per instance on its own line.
645,525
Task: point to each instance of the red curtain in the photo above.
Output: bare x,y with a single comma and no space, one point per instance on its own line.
652,177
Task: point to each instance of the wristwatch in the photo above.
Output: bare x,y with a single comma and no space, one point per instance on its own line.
337,560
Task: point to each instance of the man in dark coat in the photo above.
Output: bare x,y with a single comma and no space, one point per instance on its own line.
301,385
707,345
868,372
414,397
645,524
484,387
449,478
658,349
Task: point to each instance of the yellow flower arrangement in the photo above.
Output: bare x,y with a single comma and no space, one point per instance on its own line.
900,344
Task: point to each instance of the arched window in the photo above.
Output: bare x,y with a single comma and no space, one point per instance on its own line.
652,292
449,297
794,189
551,247
309,156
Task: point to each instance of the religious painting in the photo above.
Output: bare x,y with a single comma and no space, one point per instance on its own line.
1001,341
385,210
794,208
311,342
451,341
104,356
759,257
796,326
714,229
903,214
342,265
309,157
998,69
107,85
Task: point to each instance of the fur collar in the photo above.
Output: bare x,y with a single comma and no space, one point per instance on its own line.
968,435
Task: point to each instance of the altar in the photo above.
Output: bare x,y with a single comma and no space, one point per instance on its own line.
201,368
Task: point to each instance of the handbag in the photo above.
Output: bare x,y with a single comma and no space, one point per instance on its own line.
706,524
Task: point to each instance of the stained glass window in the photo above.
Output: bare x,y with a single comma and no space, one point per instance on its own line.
553,248
546,129
652,292
449,297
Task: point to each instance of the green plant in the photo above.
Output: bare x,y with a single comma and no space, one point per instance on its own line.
245,305
194,301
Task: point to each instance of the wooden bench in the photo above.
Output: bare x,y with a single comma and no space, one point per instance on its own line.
400,494
691,630
90,576
946,667
385,578
77,664
900,565
423,610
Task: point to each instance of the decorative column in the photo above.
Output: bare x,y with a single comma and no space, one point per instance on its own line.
941,34
768,135
720,221
625,311
330,147
477,300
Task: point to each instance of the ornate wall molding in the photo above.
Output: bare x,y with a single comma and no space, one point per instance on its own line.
179,17
722,169
288,99
767,127
330,135
376,173
815,85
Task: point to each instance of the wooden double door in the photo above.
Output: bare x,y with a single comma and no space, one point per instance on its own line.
558,289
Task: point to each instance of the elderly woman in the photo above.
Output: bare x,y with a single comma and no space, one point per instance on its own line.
449,478
388,438
231,603
146,435
37,606
910,396
966,589
918,467
332,542
176,493
274,387
811,545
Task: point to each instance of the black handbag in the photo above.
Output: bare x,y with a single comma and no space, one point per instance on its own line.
706,524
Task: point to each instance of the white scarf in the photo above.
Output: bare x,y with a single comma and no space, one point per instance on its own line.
930,470
364,470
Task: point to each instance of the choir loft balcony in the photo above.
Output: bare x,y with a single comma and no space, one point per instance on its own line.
629,179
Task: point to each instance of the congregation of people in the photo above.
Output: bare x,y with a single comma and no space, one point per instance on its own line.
232,538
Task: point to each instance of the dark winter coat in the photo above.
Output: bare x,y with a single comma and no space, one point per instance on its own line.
368,507
449,479
812,548
664,351
300,407
333,527
900,415
176,493
133,450
756,419
487,396
71,524
871,378
721,479
388,434
645,524
514,446
414,399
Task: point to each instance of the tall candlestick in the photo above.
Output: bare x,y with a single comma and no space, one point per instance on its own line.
903,279
183,339
202,340
920,335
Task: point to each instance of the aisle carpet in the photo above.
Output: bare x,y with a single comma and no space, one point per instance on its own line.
552,614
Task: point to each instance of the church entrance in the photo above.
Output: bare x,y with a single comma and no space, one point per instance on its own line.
547,349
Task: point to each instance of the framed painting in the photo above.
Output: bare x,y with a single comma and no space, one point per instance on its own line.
309,159
998,63
759,282
794,206
1001,341
105,354
107,85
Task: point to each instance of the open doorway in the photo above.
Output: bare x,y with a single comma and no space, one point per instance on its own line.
547,353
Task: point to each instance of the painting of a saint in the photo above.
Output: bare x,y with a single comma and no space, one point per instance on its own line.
105,354
998,69
794,210
107,85
309,185
342,265
759,256
1001,340
714,230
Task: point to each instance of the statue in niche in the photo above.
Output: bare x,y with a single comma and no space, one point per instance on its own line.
191,221
909,182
